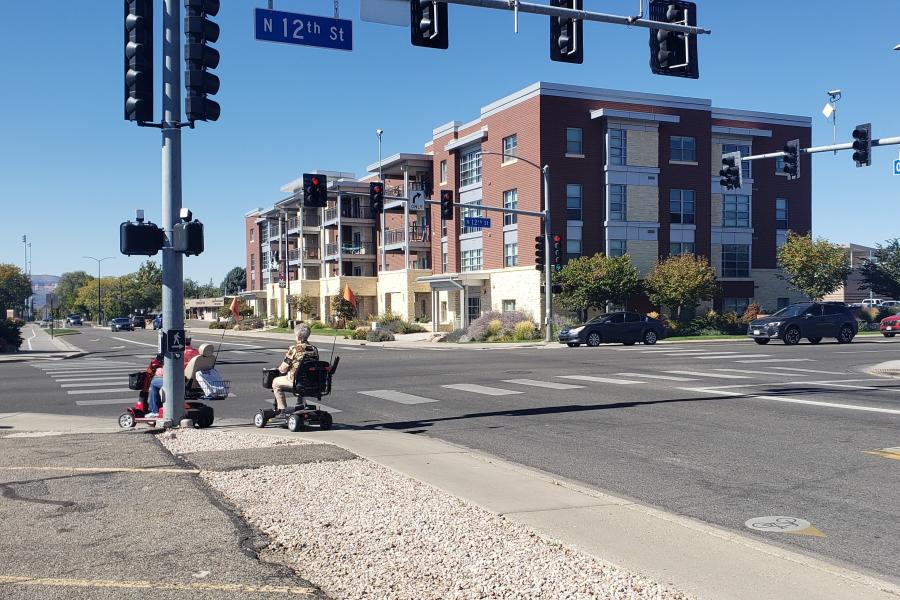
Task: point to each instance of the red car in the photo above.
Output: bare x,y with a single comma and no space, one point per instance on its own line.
890,326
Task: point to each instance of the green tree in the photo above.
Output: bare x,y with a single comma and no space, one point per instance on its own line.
881,274
67,290
87,297
592,282
210,290
148,286
306,304
15,287
235,281
815,267
681,281
342,309
191,288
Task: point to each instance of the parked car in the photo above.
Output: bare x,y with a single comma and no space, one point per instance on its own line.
139,321
46,320
74,320
890,326
890,304
121,324
871,303
624,327
810,320
157,322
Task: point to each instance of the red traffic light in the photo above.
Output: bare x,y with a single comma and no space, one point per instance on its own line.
557,238
377,189
315,181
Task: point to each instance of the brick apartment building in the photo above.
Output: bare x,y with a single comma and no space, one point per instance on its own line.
629,173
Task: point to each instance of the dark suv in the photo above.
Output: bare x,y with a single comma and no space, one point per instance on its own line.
624,327
810,320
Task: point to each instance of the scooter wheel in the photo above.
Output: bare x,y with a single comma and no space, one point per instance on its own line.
295,423
207,416
325,421
126,420
259,419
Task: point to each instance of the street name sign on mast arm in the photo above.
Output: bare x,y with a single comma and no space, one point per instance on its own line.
303,30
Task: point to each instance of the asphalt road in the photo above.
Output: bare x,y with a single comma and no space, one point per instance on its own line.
722,432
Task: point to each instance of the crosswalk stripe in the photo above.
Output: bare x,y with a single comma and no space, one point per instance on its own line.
734,356
57,374
697,352
778,360
480,389
78,379
327,408
758,372
788,400
649,376
90,383
398,397
804,370
99,391
600,379
543,384
715,375
124,401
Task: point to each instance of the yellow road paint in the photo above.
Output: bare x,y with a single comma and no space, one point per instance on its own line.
105,470
811,531
155,585
892,453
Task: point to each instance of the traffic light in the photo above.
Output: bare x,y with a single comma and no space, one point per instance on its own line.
672,52
792,160
540,255
315,191
557,253
199,58
376,197
862,145
566,41
428,24
187,235
446,205
140,238
139,60
732,177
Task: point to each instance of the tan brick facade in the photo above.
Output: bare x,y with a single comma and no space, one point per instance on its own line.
644,254
643,203
643,148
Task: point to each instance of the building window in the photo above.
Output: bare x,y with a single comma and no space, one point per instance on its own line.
511,254
251,234
510,147
509,305
736,211
617,247
573,248
357,271
735,260
573,201
618,201
470,210
443,228
782,303
443,171
735,305
511,201
618,147
471,260
744,149
573,141
470,168
252,261
676,248
443,316
445,261
474,307
681,206
781,213
682,149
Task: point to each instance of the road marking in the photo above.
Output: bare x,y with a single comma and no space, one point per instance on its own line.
648,376
98,378
99,391
600,379
868,351
33,335
778,360
480,389
96,382
154,585
134,342
717,375
106,469
217,342
544,384
120,401
687,352
758,372
735,356
89,373
238,351
776,524
398,397
889,411
892,453
805,370
326,408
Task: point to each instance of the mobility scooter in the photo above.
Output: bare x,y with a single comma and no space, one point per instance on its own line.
312,380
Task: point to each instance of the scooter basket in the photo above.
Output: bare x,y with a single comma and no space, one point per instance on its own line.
269,376
136,380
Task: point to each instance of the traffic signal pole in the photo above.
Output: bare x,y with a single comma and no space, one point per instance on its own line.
889,141
548,268
172,277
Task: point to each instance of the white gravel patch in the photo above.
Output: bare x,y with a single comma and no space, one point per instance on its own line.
34,434
361,530
183,441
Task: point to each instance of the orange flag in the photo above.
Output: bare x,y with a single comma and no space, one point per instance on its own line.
234,310
348,295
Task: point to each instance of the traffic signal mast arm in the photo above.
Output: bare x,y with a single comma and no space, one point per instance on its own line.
890,141
584,15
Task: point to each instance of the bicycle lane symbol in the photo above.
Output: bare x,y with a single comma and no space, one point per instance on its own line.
782,524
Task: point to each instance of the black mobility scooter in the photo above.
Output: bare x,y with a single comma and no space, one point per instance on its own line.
312,380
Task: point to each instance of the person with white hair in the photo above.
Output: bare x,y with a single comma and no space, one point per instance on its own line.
288,367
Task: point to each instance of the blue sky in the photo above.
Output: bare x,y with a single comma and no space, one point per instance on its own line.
73,169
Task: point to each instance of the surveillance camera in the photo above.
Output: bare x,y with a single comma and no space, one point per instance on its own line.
379,131
834,92
139,215
185,214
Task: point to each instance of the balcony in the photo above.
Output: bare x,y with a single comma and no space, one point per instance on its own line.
419,237
309,220
308,254
350,250
348,214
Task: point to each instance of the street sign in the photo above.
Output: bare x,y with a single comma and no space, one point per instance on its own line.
476,222
417,200
389,12
303,30
174,341
897,166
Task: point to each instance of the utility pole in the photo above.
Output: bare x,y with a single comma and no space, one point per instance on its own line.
99,315
379,133
548,243
172,283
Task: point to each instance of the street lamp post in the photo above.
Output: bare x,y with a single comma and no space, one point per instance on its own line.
99,296
379,133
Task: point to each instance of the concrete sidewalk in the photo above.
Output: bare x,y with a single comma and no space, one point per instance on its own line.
38,345
889,368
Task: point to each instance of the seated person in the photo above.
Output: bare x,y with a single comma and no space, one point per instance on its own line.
288,366
157,382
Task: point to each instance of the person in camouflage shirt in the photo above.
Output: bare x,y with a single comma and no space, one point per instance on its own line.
288,366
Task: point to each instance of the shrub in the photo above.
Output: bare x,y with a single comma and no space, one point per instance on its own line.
454,336
360,333
283,323
217,325
497,326
412,328
357,323
316,325
10,336
524,331
494,330
380,335
751,313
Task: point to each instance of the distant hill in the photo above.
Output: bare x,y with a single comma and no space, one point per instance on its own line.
43,285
